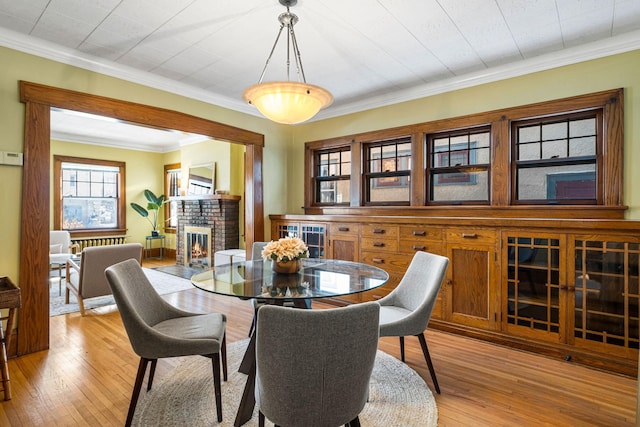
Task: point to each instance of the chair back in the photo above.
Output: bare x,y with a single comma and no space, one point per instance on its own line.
59,242
256,250
418,289
92,281
139,305
314,366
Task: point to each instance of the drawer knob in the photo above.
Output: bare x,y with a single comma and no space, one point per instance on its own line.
378,231
343,228
377,261
469,235
378,244
418,248
419,233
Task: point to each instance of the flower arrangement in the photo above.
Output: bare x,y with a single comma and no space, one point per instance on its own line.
285,249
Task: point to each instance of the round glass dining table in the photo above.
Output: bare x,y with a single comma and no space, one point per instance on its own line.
318,278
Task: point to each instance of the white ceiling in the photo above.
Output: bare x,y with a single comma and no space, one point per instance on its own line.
367,53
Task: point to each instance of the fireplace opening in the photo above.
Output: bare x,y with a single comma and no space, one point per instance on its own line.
197,247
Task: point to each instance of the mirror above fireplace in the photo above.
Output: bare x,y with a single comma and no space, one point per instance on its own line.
202,179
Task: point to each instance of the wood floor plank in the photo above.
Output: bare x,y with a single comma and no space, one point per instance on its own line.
87,375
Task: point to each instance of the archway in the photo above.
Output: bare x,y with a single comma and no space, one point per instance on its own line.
33,333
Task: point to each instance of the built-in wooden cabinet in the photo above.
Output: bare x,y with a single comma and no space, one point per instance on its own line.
565,288
470,292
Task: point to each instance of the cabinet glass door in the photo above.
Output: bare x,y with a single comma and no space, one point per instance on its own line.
606,294
534,305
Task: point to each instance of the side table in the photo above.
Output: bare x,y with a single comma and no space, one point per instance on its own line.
148,247
9,298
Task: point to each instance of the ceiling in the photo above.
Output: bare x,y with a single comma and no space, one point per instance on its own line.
367,53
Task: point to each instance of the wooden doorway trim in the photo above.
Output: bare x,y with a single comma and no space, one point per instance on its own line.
33,317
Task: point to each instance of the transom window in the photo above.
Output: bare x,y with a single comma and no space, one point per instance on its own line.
556,159
89,194
388,171
458,168
333,174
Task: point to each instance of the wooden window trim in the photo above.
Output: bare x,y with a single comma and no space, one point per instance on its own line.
121,227
611,207
167,206
516,165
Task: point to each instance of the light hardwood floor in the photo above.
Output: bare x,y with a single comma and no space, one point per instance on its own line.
86,377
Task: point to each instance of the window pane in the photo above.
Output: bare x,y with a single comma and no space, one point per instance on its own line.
457,187
572,139
582,146
391,189
90,195
571,182
334,191
528,134
335,163
529,151
554,149
586,127
84,189
458,150
89,213
482,140
554,131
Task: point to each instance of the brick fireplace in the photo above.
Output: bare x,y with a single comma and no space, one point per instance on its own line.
219,214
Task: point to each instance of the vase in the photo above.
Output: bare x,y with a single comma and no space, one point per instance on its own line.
286,267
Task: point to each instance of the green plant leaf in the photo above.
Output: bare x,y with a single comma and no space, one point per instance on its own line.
142,211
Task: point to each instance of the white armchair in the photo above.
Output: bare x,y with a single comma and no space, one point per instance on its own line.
59,252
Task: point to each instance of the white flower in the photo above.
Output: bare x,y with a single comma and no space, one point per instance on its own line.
285,249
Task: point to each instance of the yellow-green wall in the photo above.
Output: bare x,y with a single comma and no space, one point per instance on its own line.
18,66
618,71
284,145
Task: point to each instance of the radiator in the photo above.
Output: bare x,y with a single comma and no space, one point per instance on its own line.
85,242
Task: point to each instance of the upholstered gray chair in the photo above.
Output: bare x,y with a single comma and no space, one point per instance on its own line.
407,309
156,329
87,280
313,366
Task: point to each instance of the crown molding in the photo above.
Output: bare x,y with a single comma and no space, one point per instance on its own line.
42,48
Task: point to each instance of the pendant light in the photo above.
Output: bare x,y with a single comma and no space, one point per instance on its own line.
287,102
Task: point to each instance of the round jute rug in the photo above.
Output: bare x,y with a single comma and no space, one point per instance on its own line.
398,396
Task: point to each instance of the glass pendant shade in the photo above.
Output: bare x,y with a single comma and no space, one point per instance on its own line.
287,102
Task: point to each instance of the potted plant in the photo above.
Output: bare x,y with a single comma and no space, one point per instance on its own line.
153,206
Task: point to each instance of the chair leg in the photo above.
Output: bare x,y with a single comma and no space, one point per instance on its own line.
402,348
142,368
427,357
260,419
253,325
223,353
152,372
80,304
353,423
215,362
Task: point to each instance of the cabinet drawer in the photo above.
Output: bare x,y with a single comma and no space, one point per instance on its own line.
379,230
412,246
378,244
343,229
470,235
389,262
414,232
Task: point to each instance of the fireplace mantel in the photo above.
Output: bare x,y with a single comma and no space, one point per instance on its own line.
219,213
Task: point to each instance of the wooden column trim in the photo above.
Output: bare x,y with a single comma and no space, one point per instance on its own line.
33,320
